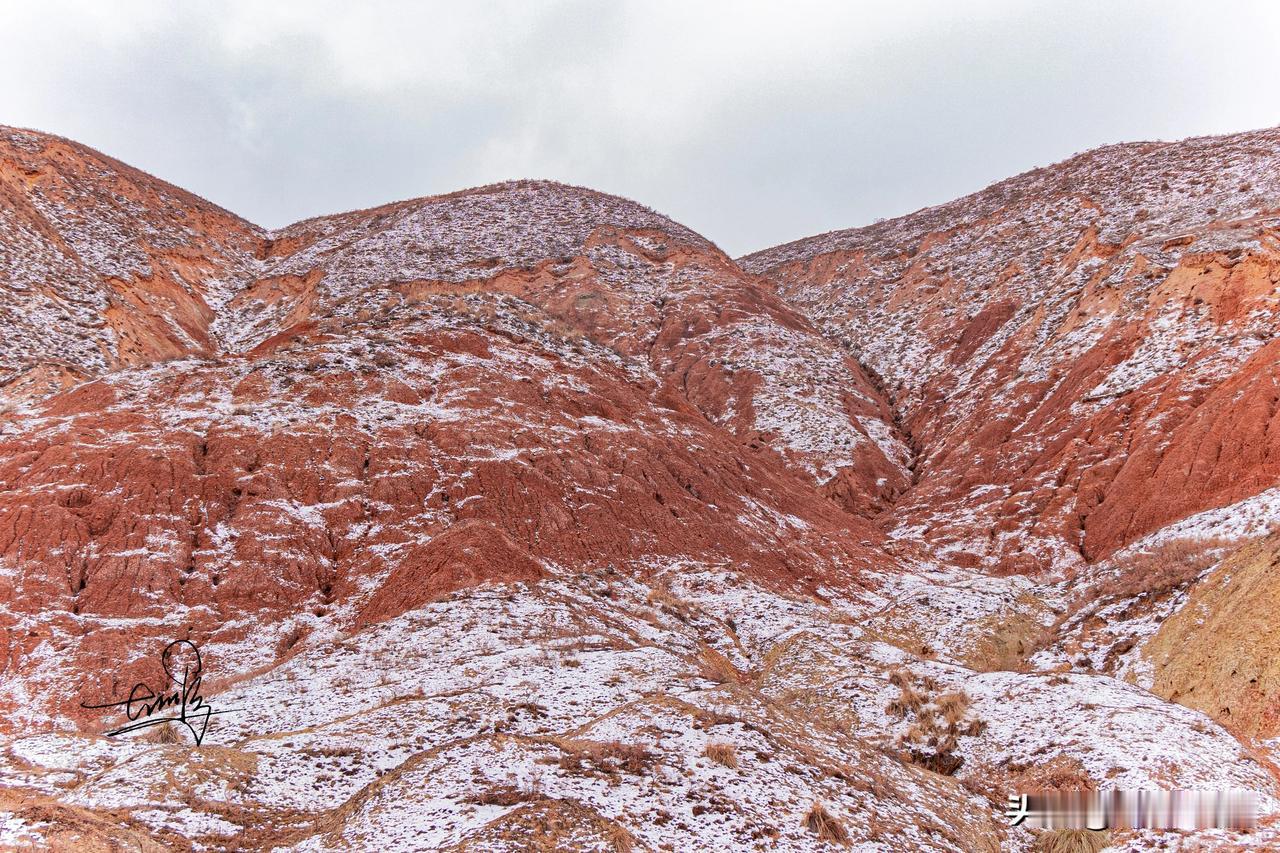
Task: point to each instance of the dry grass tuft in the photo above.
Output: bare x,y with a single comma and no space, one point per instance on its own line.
722,753
503,795
620,839
952,706
1060,773
162,734
909,700
1071,841
714,666
937,722
605,757
824,824
550,826
669,604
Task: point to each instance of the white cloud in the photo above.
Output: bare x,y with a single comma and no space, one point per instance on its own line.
753,123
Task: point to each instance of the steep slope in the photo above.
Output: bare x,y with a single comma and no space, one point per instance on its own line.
1081,355
103,266
622,276
1220,652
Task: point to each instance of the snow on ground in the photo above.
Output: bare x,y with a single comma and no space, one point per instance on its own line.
1124,737
1252,517
599,693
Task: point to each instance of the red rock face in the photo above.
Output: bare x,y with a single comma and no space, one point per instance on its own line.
104,266
345,419
383,407
1081,355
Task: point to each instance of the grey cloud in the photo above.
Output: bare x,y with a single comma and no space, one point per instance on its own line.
753,124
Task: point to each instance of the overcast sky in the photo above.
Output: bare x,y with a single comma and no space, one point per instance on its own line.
752,124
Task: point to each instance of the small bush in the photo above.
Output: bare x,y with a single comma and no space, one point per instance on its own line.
722,753
1157,573
1071,841
824,824
164,734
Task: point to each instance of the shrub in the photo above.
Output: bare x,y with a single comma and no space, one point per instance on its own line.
722,753
1071,841
1157,573
824,824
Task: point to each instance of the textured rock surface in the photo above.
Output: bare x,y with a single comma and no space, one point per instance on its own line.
397,403
523,515
1220,652
103,266
1081,355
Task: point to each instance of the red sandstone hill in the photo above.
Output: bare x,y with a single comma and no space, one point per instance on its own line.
360,413
1080,355
524,516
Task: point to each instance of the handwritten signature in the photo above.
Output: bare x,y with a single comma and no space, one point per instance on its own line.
181,662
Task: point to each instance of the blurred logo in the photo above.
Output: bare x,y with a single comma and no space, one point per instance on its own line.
1187,810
